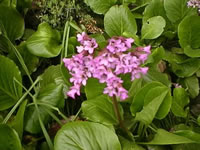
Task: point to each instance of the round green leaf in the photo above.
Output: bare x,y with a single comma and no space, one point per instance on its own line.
10,91
12,22
153,27
9,139
119,19
86,136
100,109
189,35
100,6
45,42
176,10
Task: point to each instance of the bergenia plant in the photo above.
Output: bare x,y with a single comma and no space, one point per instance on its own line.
115,59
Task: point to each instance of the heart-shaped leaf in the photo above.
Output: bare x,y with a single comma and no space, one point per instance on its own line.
86,136
153,27
45,42
14,26
100,6
10,91
9,140
119,19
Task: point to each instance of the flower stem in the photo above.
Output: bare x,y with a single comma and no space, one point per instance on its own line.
121,122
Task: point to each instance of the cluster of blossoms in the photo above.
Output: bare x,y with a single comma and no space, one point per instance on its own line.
194,4
107,65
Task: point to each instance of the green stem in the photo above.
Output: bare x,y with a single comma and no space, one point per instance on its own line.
20,100
121,122
75,117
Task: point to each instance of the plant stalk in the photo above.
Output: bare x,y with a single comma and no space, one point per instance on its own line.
121,122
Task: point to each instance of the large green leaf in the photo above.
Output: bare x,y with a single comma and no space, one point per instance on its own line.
153,27
189,35
51,95
100,109
45,42
93,88
119,19
100,6
10,91
9,140
180,100
186,147
86,136
14,26
163,137
176,10
152,102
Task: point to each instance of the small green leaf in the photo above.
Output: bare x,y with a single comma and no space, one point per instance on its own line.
10,91
153,27
86,136
45,42
9,140
100,6
119,19
192,85
14,26
180,100
100,109
129,145
176,10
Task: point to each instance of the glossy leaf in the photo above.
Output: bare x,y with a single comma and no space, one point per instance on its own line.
86,136
10,91
176,10
153,27
119,19
128,145
180,100
14,26
152,102
9,140
45,42
100,6
100,109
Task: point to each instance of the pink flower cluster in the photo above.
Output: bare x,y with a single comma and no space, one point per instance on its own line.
107,65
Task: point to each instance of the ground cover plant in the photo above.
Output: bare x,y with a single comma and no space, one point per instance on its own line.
99,74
